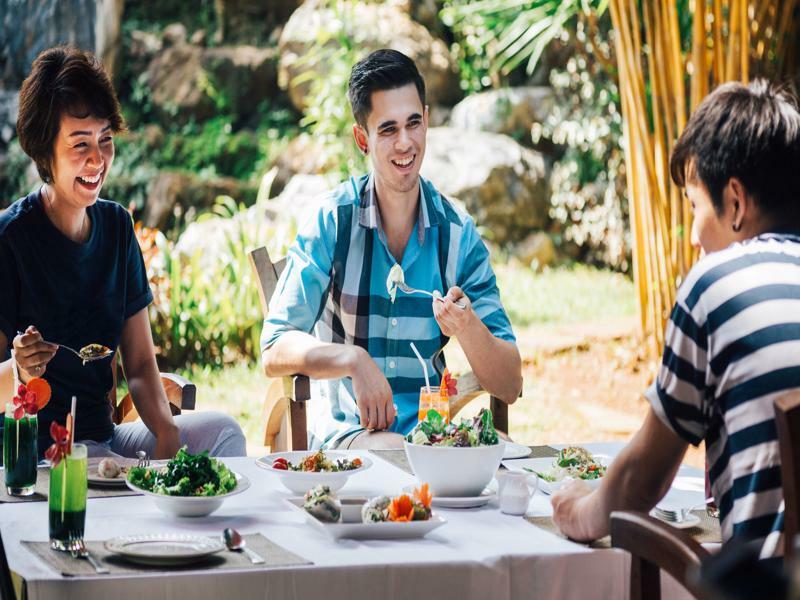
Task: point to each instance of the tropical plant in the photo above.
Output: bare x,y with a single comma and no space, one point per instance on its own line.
497,36
665,70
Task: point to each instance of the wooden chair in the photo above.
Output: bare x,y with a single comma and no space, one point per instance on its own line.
787,420
181,394
655,546
287,429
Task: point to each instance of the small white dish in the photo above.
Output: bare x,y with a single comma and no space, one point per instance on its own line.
542,465
300,482
689,520
486,496
357,530
192,506
164,548
514,450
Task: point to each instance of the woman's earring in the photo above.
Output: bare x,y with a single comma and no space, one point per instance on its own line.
365,150
737,227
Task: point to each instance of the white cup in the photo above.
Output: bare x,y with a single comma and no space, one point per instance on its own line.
515,490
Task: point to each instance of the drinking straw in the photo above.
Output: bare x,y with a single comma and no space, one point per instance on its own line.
15,371
72,425
70,440
424,368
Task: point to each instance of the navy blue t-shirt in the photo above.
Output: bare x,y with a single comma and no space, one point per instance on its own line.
74,294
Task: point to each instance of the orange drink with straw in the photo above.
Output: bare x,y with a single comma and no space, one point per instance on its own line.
431,399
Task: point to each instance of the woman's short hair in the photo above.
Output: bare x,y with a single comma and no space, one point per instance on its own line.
62,80
751,132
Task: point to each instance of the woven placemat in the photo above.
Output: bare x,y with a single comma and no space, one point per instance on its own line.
43,487
707,531
542,452
272,553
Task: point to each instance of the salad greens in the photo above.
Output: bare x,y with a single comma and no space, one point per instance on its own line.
434,431
186,475
575,462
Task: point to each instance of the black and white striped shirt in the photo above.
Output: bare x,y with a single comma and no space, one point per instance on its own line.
732,346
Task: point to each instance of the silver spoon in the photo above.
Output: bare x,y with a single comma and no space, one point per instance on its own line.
86,357
236,543
403,287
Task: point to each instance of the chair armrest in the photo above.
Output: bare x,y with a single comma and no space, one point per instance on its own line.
468,389
297,388
181,392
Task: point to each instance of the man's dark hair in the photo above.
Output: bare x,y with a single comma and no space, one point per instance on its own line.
751,132
382,70
62,80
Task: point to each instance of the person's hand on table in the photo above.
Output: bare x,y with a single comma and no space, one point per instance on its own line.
452,319
572,513
373,394
32,353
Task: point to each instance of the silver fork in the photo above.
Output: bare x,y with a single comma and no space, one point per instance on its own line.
78,549
144,460
405,288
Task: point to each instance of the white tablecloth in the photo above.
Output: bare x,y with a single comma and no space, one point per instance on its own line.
479,553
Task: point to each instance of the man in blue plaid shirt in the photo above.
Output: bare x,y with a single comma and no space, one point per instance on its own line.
331,317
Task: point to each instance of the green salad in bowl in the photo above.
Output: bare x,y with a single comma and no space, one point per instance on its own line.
189,485
434,431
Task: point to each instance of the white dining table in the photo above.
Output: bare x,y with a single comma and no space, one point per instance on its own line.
478,554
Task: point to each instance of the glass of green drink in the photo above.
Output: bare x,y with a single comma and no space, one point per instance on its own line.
67,501
20,452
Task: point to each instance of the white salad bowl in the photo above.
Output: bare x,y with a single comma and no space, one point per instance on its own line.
192,506
452,471
300,482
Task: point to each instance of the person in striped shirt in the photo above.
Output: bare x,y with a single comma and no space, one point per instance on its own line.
732,343
331,316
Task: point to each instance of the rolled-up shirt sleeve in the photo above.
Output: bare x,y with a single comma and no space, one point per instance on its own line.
680,395
297,302
477,280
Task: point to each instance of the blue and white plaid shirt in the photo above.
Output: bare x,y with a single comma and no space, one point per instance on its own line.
334,285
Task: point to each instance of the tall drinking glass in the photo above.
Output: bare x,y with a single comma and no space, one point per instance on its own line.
20,452
430,399
67,502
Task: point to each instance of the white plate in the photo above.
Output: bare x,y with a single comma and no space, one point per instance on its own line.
690,520
164,549
370,531
300,482
541,465
192,506
514,450
484,498
95,480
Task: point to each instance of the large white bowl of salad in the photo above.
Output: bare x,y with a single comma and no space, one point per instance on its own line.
189,485
455,460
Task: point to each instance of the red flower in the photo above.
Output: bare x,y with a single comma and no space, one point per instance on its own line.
449,383
25,402
59,450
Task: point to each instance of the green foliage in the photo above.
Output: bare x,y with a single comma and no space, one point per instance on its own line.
494,37
206,308
328,116
153,15
13,180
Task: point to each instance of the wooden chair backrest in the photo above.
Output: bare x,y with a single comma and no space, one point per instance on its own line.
267,274
787,418
655,546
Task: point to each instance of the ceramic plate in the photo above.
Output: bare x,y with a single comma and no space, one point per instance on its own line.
164,549
193,506
485,497
514,450
97,481
300,482
356,530
541,465
690,520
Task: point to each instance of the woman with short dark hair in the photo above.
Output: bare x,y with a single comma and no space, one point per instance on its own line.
71,272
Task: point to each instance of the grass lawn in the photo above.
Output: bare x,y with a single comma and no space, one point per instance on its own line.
554,297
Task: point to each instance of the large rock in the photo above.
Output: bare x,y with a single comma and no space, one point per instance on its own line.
30,26
370,27
537,251
172,192
189,81
273,222
304,155
503,185
249,21
511,111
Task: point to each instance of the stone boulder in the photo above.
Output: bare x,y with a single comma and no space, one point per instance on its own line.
503,185
274,221
304,155
29,26
536,251
370,27
189,81
175,192
250,21
510,111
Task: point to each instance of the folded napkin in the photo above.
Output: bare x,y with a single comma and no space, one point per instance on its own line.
273,554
